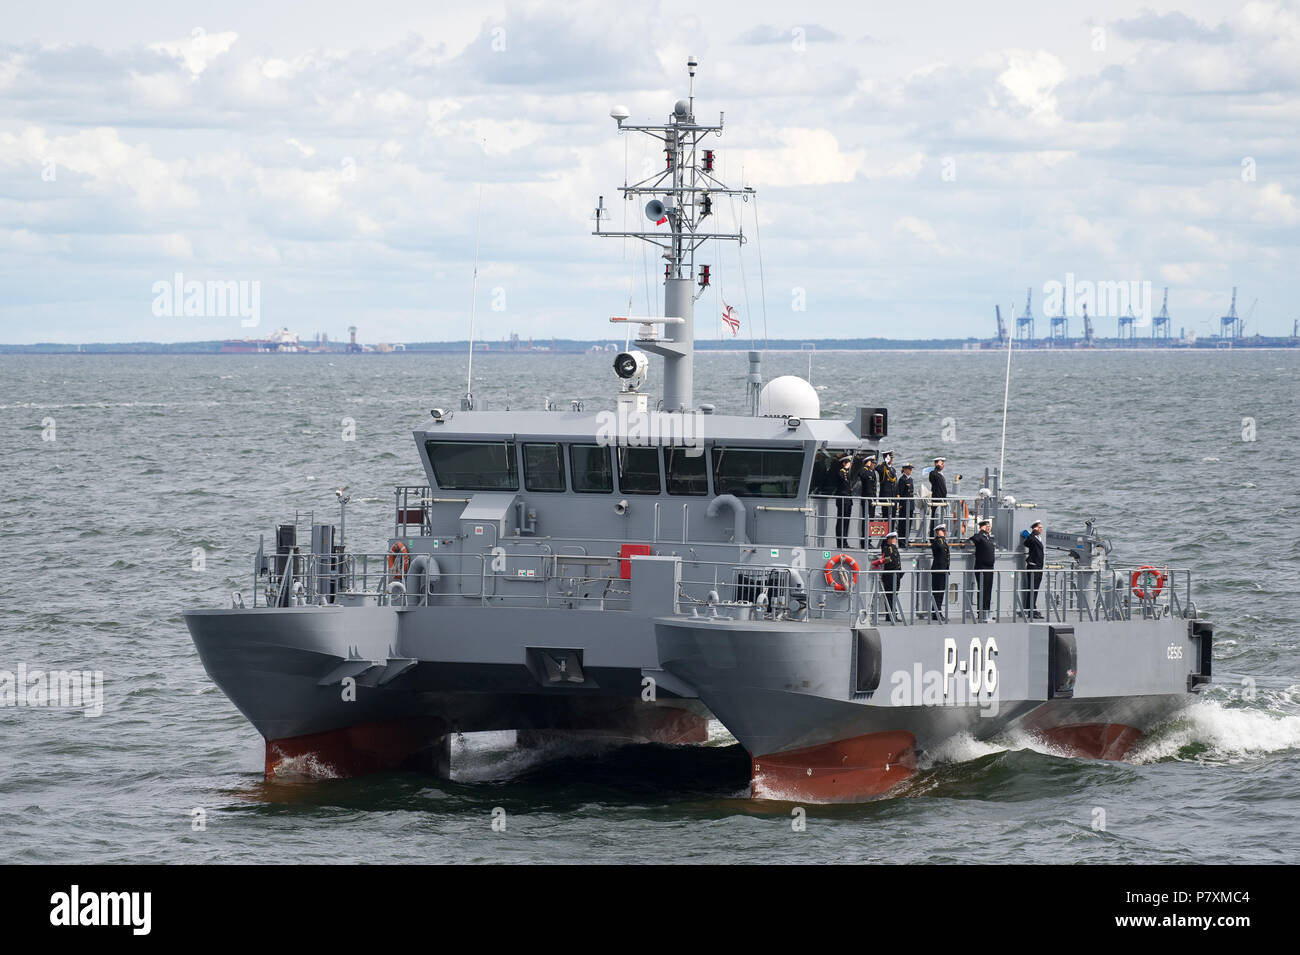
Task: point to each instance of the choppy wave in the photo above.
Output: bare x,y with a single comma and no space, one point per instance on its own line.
1213,731
1210,731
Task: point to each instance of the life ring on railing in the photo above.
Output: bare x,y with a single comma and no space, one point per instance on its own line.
396,553
835,562
1142,574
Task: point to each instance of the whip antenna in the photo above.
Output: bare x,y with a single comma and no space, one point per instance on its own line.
1006,394
762,286
1011,343
467,403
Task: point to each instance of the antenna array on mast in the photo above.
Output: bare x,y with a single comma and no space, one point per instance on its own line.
681,197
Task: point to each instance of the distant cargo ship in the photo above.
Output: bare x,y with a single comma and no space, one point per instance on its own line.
281,342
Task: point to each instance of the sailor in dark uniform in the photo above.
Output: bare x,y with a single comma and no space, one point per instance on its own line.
1032,541
843,501
906,492
938,571
938,494
867,492
888,490
892,571
985,557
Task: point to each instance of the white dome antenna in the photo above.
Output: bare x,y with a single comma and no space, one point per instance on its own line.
789,396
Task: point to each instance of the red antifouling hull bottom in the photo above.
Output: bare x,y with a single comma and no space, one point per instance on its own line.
847,770
420,744
1093,740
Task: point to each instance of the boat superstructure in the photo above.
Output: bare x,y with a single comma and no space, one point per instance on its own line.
633,571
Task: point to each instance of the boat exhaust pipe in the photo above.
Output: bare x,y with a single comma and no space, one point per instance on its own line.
738,514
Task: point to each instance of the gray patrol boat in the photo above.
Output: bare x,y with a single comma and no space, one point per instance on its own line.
632,572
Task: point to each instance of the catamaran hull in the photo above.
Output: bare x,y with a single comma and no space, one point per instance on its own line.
345,691
831,713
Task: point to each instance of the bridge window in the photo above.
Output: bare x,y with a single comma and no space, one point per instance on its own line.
592,472
687,472
543,467
825,471
757,472
474,465
638,470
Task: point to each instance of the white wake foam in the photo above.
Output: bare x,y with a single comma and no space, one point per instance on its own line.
303,767
1229,733
494,756
719,735
963,748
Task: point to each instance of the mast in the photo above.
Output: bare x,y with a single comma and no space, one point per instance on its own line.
681,197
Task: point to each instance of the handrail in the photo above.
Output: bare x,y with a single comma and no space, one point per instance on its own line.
844,520
547,579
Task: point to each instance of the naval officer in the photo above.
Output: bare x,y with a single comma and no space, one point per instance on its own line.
843,501
892,566
888,479
985,557
938,494
939,561
906,492
867,493
1032,541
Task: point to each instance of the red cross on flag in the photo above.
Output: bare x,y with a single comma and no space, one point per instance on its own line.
730,316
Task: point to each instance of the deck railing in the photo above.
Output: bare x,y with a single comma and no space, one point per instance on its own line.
566,576
859,523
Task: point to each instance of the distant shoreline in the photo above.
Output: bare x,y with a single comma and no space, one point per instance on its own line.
577,347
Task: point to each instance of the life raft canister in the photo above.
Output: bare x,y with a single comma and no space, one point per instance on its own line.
398,554
1142,575
835,562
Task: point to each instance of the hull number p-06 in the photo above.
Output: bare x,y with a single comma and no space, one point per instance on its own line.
980,665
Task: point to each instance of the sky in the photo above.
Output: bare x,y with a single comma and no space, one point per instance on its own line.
915,164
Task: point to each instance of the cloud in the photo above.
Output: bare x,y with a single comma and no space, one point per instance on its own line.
577,48
803,157
811,32
99,165
199,49
1031,78
1170,27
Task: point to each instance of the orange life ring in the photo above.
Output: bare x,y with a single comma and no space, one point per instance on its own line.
1147,571
835,562
398,550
